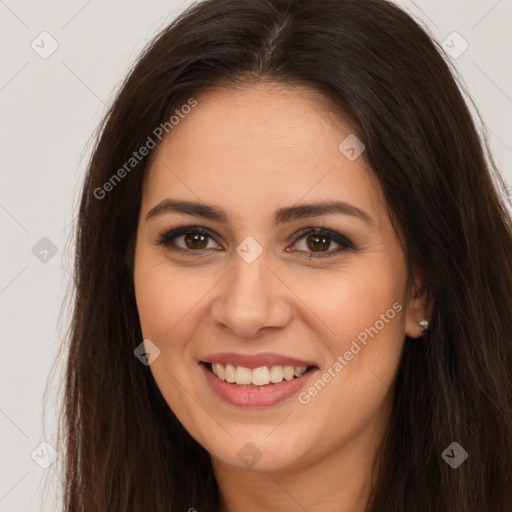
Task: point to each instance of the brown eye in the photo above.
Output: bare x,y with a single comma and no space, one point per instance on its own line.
188,239
196,241
318,242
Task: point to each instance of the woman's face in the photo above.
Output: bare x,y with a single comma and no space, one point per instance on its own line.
256,292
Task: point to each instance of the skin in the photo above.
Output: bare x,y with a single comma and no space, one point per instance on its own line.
251,151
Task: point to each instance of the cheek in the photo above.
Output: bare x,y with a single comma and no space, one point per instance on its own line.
162,308
350,302
168,304
165,296
156,302
171,304
364,314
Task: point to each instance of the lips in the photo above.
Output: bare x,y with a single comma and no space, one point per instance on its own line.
257,360
271,380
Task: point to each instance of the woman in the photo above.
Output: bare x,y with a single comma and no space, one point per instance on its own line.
296,265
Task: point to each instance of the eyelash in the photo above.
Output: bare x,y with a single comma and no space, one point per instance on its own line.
166,238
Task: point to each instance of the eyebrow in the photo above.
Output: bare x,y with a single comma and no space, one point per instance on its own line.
281,216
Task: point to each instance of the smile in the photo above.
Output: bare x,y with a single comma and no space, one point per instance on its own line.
260,383
256,377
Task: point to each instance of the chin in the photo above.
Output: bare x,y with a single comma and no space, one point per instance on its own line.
258,452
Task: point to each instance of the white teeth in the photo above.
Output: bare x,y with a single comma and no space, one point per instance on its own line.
230,373
276,374
220,371
299,370
260,376
243,375
288,372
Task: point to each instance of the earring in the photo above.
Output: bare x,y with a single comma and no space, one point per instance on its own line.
423,324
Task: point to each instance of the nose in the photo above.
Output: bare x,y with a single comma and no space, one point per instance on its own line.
251,300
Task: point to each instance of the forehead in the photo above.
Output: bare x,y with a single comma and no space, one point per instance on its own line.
261,118
250,147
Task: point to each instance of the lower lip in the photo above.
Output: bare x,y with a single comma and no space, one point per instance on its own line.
255,397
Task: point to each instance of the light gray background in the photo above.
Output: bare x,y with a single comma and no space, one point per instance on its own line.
49,110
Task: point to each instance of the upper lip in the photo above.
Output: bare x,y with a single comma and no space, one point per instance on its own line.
256,360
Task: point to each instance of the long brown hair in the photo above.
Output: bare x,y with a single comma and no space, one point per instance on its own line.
125,451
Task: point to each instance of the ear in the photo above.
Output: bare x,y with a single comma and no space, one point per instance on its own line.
417,308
